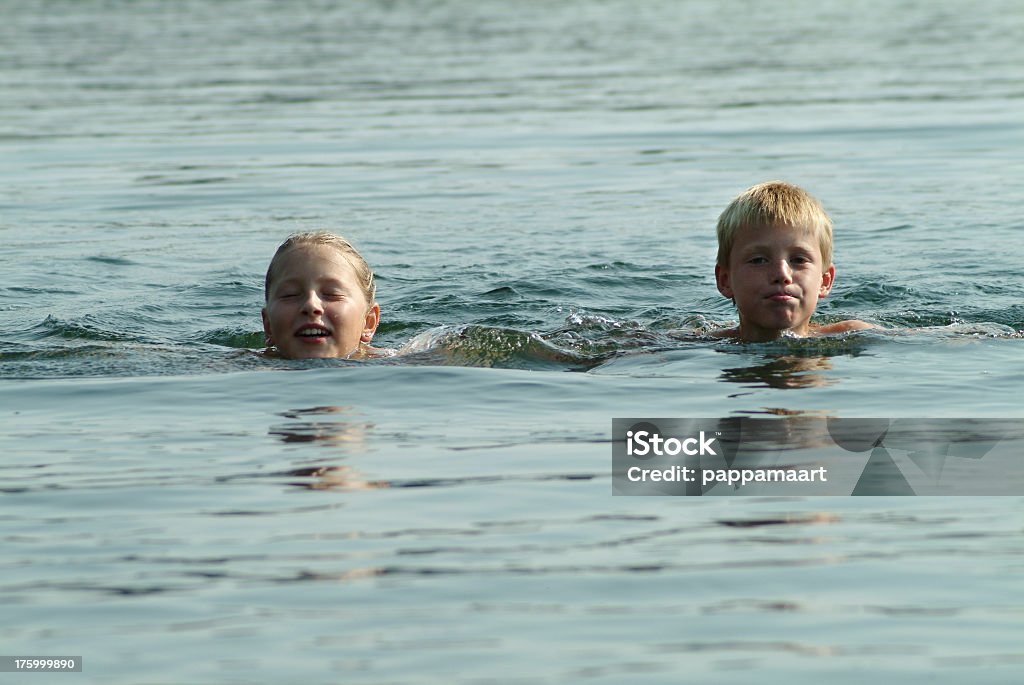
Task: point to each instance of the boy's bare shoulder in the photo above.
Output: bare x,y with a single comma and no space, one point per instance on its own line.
843,327
838,327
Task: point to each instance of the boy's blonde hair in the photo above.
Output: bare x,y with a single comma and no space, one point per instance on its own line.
771,203
364,275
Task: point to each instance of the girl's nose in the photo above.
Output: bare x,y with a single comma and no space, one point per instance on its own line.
312,304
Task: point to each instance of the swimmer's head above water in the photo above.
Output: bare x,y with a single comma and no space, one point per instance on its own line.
775,262
320,299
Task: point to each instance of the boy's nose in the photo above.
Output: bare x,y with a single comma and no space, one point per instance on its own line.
783,272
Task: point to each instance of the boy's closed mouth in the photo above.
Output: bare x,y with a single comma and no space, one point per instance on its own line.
313,332
781,297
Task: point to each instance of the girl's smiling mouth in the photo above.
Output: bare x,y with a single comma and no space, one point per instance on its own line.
313,332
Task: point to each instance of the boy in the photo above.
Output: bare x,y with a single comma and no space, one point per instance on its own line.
319,295
775,263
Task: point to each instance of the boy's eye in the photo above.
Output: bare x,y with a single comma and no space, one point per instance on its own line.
757,260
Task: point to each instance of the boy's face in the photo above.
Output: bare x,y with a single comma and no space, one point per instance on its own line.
315,307
775,276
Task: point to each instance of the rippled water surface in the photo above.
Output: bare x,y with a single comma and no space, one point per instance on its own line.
536,185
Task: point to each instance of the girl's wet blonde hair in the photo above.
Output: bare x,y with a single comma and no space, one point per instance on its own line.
769,204
364,275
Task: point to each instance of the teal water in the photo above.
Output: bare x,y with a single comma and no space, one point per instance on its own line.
536,187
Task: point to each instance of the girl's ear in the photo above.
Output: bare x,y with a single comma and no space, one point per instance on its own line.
266,328
370,323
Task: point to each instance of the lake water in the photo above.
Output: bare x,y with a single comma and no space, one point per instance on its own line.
536,185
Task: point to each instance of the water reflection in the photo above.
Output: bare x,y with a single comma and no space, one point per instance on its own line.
811,519
334,427
783,372
335,478
341,430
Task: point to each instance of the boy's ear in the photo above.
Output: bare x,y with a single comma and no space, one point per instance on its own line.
266,328
722,279
828,277
370,324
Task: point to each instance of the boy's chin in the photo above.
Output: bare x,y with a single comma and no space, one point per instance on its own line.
772,331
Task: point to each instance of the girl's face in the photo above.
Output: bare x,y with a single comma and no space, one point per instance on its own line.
315,307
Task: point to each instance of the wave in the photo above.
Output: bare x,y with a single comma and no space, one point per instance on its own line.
487,346
85,329
92,345
238,338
